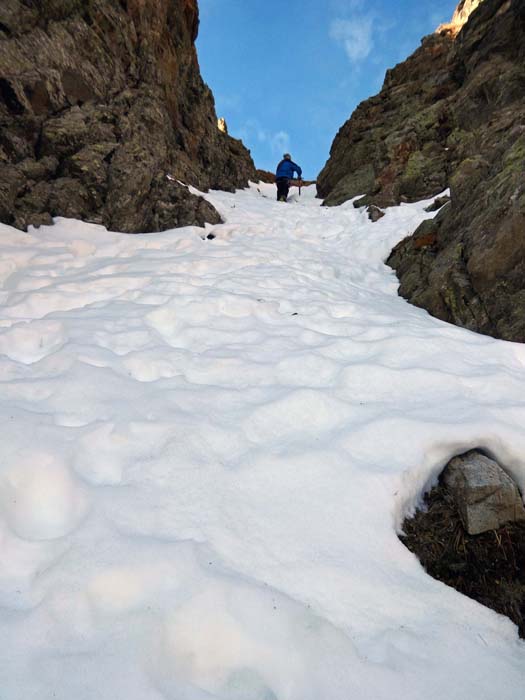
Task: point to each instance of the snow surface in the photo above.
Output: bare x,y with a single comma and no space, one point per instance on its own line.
207,449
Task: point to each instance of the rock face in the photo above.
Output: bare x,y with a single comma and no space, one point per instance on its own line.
393,145
99,102
485,495
452,115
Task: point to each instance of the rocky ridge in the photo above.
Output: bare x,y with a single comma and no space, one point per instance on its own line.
103,114
452,115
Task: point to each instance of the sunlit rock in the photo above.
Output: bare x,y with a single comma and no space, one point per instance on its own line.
460,17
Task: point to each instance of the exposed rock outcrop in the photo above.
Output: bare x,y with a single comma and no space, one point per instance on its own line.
99,102
453,115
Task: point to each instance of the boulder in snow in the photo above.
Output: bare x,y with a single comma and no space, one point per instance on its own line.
438,203
375,213
484,493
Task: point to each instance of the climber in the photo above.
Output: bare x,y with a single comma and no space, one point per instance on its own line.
285,172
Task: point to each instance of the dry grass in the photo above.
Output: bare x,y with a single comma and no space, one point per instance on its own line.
489,568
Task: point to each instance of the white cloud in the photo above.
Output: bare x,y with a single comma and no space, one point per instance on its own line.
345,6
206,7
278,142
355,35
227,103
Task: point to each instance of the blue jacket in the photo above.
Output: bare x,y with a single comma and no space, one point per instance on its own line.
287,168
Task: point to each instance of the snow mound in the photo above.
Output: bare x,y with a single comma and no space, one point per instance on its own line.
39,498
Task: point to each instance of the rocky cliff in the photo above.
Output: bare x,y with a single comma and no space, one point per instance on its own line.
100,101
453,115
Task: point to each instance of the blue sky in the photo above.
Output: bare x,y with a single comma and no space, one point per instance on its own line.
286,74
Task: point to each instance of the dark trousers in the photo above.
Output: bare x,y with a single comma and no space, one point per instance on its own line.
283,187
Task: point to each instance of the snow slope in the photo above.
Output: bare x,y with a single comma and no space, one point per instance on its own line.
207,449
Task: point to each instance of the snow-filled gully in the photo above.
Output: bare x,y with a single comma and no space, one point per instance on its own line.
208,447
